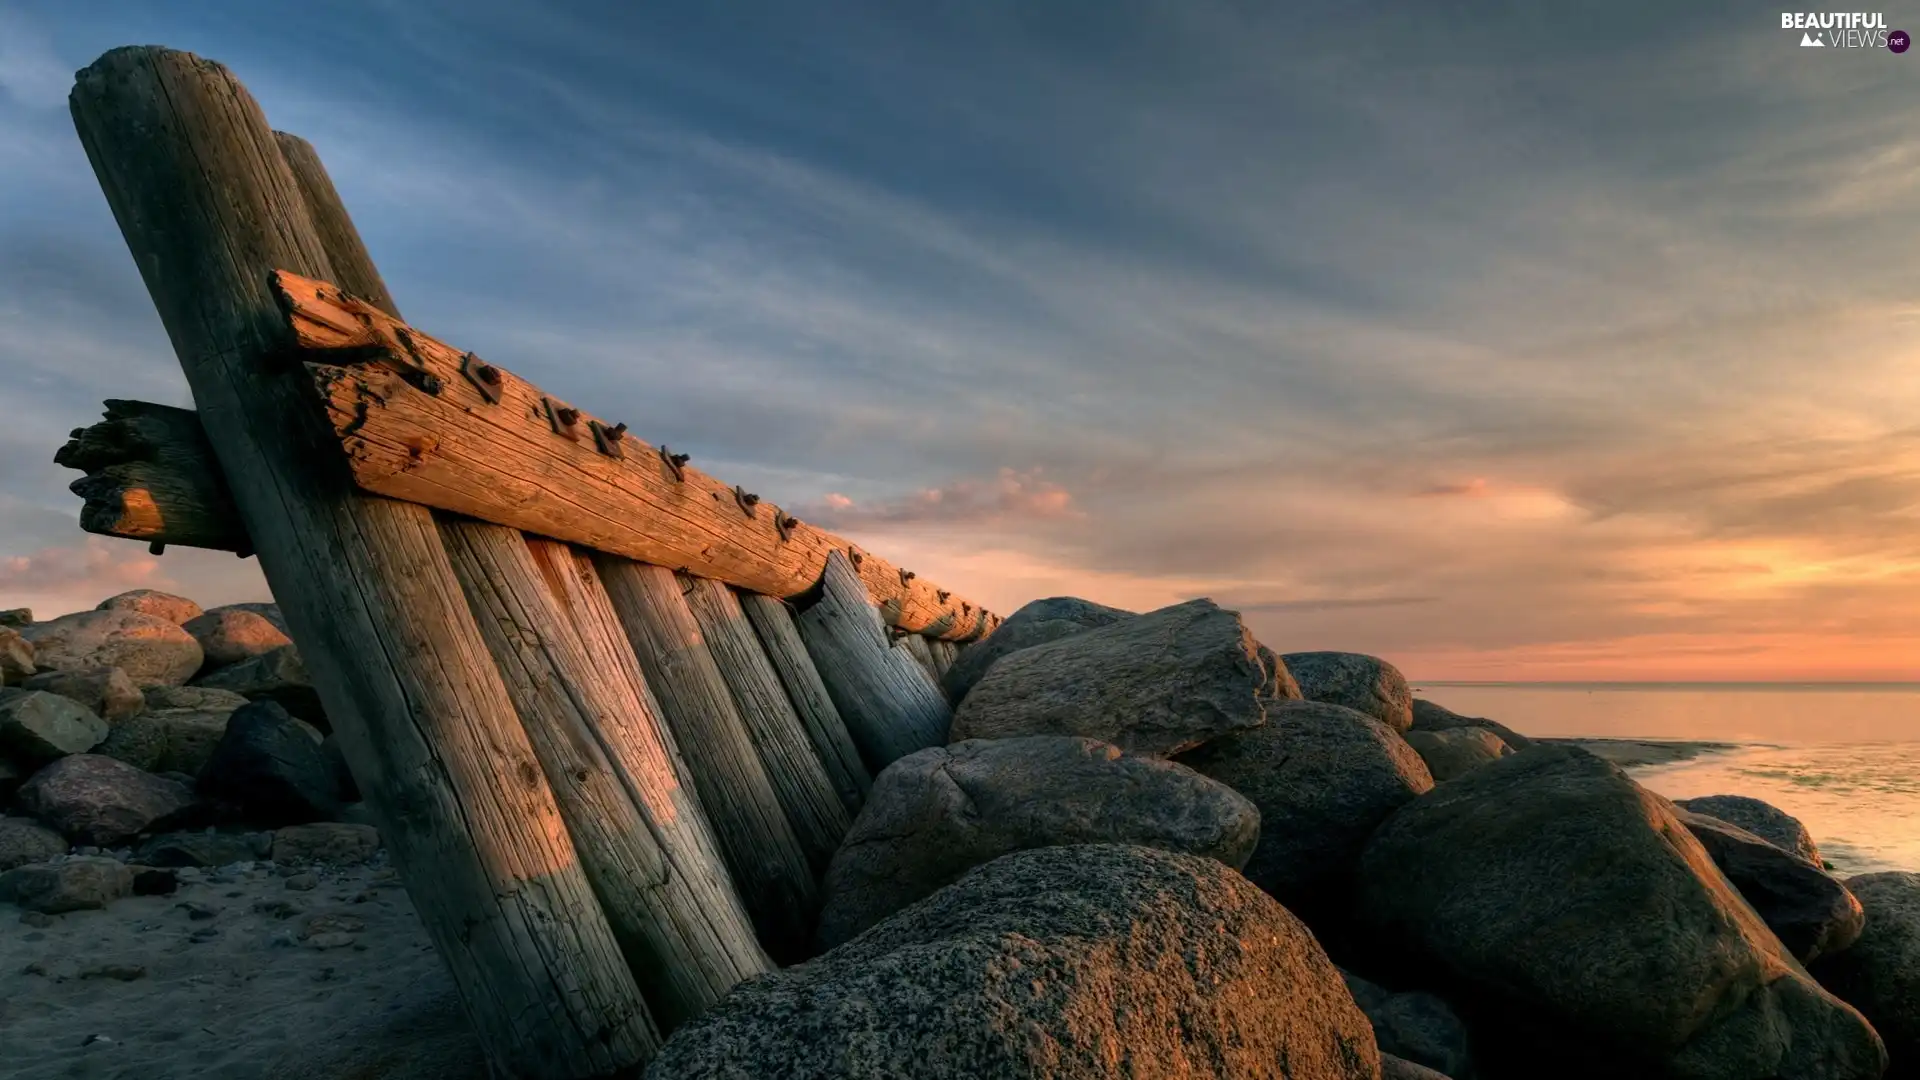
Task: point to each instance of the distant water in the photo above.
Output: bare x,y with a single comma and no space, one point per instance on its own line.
1844,758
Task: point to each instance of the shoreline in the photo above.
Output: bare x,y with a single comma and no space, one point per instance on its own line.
1635,753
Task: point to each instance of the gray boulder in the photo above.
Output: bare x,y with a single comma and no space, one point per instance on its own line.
1416,1026
1323,777
1430,717
277,676
23,842
1281,685
16,657
151,650
175,609
203,848
1808,909
1763,820
76,884
1552,891
96,800
229,635
1396,1068
203,698
933,815
1880,973
15,618
1070,963
330,843
1451,753
1155,684
105,690
37,727
270,768
1365,684
269,611
169,740
1035,624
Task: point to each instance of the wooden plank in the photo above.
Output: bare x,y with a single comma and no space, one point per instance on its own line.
208,208
917,647
766,859
773,623
151,476
416,426
889,701
944,653
683,931
807,794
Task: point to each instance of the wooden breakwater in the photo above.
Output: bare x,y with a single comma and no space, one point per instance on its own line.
611,713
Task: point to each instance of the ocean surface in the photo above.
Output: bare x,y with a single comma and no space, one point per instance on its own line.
1844,758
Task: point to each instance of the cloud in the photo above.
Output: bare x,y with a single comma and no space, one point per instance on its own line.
1009,497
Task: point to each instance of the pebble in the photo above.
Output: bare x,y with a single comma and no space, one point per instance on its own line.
334,922
37,918
121,972
303,882
279,909
198,911
204,934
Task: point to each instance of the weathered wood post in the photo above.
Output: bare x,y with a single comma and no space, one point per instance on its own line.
660,882
769,865
944,652
799,778
209,208
918,648
889,701
773,623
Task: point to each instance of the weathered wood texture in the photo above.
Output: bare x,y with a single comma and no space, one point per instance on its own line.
916,647
944,653
799,778
209,208
773,624
419,422
151,476
645,846
889,701
768,863
683,957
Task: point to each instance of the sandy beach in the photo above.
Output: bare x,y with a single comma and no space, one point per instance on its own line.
241,974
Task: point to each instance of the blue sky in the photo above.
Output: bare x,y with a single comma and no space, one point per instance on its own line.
1544,341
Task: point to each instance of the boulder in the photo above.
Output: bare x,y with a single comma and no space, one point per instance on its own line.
1430,717
1414,1025
151,650
1323,778
1880,973
96,800
1450,753
12,775
37,727
1154,684
106,690
1035,624
1550,891
1365,684
229,635
933,815
77,884
175,609
203,848
168,740
331,843
268,611
1070,963
203,698
1763,820
16,657
277,676
269,767
1808,909
23,842
342,774
15,618
1395,1068
1281,685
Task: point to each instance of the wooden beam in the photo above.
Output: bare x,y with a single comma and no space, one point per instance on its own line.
773,624
889,701
152,476
800,779
422,421
944,653
769,865
209,208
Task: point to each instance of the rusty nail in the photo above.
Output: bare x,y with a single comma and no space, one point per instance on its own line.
784,522
675,462
747,500
942,594
607,439
428,382
488,374
966,608
854,555
616,431
906,576
569,416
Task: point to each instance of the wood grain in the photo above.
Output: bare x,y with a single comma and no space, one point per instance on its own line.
150,475
209,207
773,623
888,700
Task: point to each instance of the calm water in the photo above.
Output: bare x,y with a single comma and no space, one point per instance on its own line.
1842,757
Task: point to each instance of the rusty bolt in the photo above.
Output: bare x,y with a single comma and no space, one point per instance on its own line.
854,555
568,416
942,594
679,459
750,499
614,432
488,374
906,576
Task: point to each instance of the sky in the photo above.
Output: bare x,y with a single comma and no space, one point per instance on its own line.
1567,341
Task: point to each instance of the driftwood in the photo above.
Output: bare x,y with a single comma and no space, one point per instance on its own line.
916,647
889,701
209,208
769,865
151,476
773,623
944,653
813,807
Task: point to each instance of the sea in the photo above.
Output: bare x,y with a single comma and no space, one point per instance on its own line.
1844,758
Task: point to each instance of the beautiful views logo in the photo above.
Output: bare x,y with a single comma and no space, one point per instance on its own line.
1845,30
